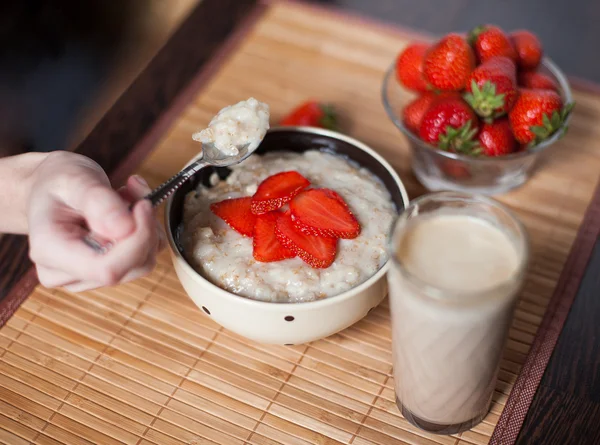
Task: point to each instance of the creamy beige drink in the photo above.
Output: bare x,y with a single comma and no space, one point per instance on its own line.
453,286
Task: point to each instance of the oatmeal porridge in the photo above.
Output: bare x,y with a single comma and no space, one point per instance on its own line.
225,257
243,123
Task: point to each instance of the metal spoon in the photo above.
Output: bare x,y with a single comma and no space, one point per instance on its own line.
210,156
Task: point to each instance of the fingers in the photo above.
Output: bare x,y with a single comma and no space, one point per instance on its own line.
138,187
82,286
135,189
55,242
134,274
142,271
81,185
57,245
65,209
130,264
50,277
104,211
133,251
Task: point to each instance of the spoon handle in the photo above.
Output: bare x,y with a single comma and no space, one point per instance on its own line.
156,196
163,191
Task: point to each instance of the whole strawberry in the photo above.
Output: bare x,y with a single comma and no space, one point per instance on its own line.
450,124
409,67
535,80
529,49
489,41
537,115
412,114
312,113
449,63
492,87
496,138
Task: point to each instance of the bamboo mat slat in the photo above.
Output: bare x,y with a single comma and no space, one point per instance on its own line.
139,364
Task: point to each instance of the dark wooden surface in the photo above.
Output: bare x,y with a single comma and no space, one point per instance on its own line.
566,409
133,116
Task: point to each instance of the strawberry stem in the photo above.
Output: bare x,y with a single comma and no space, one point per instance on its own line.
329,119
460,140
474,34
551,125
484,101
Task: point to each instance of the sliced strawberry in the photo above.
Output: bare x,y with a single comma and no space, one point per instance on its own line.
318,252
266,247
276,190
323,212
236,212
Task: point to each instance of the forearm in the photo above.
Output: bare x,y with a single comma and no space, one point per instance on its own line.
16,179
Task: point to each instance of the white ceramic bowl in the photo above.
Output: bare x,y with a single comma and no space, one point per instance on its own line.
286,323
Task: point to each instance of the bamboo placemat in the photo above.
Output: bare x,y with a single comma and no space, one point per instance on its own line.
140,364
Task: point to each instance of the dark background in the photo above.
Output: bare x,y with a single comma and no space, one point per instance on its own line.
569,29
55,54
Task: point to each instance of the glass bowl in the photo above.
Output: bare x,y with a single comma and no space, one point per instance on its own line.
441,170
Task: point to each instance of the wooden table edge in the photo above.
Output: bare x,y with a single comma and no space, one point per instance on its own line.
245,14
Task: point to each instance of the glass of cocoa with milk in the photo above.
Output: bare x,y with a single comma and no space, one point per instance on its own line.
458,262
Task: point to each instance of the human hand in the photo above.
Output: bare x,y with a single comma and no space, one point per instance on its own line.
70,196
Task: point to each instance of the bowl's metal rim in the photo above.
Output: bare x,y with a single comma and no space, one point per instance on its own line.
285,307
546,61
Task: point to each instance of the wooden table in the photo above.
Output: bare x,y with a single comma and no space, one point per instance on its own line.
567,401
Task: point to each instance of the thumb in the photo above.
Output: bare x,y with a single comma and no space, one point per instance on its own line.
137,188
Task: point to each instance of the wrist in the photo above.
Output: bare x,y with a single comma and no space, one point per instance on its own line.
17,176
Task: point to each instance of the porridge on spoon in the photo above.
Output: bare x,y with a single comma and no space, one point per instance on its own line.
246,122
